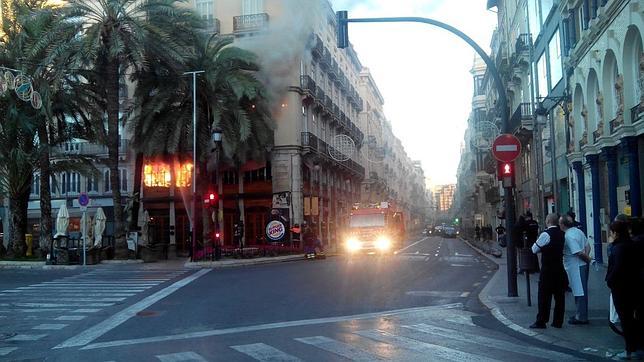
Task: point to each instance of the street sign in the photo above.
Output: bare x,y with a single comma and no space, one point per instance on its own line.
506,148
83,199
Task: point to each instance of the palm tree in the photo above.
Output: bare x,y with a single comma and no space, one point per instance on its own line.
120,37
230,98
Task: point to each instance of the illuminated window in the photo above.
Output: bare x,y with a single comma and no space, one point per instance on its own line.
184,175
158,175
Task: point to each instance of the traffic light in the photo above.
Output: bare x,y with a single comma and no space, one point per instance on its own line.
343,29
211,199
506,173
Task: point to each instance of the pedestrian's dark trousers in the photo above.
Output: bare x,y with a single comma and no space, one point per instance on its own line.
625,305
547,291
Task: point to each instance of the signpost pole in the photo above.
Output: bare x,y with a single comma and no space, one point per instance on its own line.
83,201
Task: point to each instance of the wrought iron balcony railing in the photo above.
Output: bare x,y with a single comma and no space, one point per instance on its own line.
596,135
213,25
523,43
308,84
637,113
250,23
522,117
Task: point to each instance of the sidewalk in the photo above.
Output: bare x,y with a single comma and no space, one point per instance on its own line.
596,338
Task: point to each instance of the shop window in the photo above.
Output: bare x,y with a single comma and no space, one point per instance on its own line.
92,184
107,186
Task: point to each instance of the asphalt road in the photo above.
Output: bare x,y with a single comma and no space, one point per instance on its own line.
419,305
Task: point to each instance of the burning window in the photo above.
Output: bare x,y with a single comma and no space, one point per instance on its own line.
160,175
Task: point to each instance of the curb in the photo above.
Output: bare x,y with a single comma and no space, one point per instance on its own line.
242,262
125,261
496,312
34,265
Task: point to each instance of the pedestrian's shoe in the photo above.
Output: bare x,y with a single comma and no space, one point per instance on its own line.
556,325
537,325
575,321
624,356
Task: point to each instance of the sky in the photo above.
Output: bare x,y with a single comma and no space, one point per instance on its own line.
423,72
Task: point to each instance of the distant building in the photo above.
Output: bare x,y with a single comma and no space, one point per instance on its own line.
444,197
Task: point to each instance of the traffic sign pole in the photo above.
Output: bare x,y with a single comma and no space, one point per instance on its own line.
83,201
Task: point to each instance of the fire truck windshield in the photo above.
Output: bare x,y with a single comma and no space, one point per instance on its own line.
369,220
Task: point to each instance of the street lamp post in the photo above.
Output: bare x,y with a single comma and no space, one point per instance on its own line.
216,139
343,42
541,114
193,205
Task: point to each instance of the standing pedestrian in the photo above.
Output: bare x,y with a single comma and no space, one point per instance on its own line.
531,229
477,231
637,232
576,262
621,278
518,232
552,280
500,234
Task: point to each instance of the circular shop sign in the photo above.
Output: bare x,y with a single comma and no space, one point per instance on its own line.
275,230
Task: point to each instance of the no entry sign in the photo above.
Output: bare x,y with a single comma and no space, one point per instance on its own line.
506,148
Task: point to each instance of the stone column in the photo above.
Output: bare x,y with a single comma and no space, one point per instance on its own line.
631,148
610,154
593,161
581,193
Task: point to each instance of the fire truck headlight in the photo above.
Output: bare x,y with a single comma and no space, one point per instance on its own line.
383,243
353,245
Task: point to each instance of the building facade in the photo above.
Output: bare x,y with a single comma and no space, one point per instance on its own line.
321,162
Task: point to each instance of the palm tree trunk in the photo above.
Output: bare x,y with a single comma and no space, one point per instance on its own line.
45,194
136,192
112,98
18,213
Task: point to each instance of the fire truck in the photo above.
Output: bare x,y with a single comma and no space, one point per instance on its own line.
375,228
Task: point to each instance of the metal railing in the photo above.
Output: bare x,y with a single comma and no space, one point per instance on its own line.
523,43
249,23
613,125
213,25
318,49
596,135
308,84
87,149
523,112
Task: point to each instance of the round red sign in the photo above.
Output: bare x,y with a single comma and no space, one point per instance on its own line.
506,148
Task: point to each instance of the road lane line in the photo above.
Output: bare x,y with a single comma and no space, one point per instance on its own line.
50,326
339,348
114,321
70,317
439,309
89,310
56,300
433,350
470,338
55,305
410,245
181,357
25,337
264,353
6,350
465,294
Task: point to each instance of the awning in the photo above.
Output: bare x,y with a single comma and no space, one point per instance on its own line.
491,4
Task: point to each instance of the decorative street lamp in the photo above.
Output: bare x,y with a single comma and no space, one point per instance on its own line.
216,139
21,84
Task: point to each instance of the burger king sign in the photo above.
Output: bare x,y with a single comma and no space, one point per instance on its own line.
275,230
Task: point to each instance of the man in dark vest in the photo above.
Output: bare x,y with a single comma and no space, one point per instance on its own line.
552,280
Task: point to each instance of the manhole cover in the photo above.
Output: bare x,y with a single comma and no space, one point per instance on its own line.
4,336
146,313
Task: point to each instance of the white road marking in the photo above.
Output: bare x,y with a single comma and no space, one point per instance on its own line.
114,321
476,284
47,327
434,350
461,319
86,310
79,299
435,293
6,350
410,245
181,357
46,310
25,337
55,305
460,265
488,342
339,348
70,317
439,309
32,294
263,352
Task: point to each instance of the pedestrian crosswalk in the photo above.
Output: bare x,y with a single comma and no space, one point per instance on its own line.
431,341
39,311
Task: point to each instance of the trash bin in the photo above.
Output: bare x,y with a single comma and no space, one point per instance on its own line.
528,261
29,240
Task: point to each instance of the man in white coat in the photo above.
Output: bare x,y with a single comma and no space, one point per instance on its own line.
576,262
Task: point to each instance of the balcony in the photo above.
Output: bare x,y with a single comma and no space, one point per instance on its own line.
325,60
522,117
343,81
319,95
333,70
213,25
318,48
328,103
523,43
87,149
250,23
308,85
309,140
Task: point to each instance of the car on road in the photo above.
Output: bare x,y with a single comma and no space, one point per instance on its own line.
450,232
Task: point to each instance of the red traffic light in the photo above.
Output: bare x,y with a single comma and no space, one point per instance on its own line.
507,170
212,196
